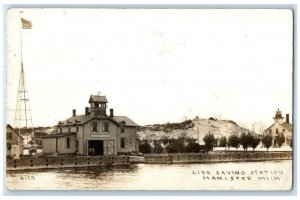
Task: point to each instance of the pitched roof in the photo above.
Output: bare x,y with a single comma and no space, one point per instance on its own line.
14,130
270,127
286,125
78,119
97,98
9,126
82,119
128,121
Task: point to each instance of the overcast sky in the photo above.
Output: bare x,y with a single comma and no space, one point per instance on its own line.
154,66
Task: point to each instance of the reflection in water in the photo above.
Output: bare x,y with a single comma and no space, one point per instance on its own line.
155,177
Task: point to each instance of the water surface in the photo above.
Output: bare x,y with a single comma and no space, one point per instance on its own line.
272,175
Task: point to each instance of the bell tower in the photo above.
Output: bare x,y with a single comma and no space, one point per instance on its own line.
98,105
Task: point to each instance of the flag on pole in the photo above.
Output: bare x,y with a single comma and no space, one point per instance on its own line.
26,24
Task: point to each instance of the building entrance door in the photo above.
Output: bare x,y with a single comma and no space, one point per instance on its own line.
95,147
109,147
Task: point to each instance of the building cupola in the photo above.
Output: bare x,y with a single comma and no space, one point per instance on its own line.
278,117
98,105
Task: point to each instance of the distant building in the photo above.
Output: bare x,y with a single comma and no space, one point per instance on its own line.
13,141
280,127
94,133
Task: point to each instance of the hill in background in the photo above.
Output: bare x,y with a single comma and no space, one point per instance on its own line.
196,129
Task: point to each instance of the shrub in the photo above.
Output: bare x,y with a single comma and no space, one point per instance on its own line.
267,141
193,148
280,139
245,140
233,141
254,142
157,147
145,147
209,141
223,141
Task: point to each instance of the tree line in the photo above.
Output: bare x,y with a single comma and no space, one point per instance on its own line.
185,144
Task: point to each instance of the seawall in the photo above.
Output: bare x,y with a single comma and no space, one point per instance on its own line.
65,162
216,157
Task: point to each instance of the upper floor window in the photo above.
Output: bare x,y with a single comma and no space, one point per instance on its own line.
276,130
68,142
270,130
122,129
77,145
283,130
69,129
77,128
60,129
105,127
122,142
94,127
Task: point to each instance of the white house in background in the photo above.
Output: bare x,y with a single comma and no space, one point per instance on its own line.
94,133
280,127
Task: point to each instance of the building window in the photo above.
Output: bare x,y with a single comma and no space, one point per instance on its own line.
105,127
270,130
77,128
8,145
60,129
283,130
94,127
68,142
276,130
122,142
77,145
122,129
69,129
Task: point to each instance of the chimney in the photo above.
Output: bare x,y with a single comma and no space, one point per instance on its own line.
111,112
74,112
287,118
86,110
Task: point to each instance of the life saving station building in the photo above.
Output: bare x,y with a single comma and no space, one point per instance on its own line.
94,133
280,127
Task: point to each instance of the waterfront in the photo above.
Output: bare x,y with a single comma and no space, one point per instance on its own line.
269,175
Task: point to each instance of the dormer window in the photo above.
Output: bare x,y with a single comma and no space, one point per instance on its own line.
122,129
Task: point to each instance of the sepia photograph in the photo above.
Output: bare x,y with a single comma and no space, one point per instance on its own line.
149,99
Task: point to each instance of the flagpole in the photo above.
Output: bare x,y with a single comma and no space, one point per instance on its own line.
24,24
19,132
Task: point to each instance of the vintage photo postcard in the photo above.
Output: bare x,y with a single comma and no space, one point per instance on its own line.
149,99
